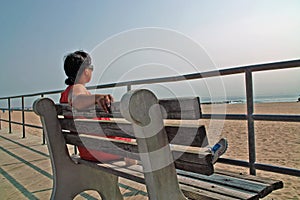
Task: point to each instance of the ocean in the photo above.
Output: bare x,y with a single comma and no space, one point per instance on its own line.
257,99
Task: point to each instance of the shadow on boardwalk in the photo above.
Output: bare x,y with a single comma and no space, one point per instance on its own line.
26,171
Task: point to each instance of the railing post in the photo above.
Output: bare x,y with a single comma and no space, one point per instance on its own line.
251,133
23,117
0,120
9,116
128,88
44,139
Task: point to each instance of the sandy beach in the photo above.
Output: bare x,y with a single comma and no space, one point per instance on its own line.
277,143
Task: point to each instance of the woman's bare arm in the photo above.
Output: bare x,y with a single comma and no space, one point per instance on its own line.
80,98
85,101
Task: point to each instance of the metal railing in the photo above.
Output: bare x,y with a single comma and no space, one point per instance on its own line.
249,116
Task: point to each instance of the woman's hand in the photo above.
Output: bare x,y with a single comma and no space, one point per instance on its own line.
104,100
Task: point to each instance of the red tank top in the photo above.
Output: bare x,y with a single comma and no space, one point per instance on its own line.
64,97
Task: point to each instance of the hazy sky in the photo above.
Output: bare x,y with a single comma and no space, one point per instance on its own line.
36,35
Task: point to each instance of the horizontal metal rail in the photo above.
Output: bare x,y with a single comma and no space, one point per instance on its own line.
260,166
257,117
16,109
284,118
20,123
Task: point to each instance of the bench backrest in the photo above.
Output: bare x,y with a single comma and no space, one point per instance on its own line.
81,128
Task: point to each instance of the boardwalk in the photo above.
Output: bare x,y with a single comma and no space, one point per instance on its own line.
26,173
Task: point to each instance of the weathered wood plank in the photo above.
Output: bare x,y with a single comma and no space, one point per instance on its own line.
189,135
193,189
196,194
188,159
227,181
117,168
277,184
181,108
217,188
272,184
98,127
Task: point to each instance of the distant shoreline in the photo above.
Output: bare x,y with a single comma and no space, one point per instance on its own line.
242,100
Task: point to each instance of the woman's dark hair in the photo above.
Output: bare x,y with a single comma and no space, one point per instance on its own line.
74,65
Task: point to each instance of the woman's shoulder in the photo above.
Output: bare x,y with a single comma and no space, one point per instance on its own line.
79,89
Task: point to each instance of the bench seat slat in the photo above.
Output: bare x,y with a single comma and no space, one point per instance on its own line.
192,188
277,184
272,184
262,189
227,181
217,188
191,135
117,168
196,193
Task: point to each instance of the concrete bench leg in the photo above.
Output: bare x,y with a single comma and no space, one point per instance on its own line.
77,178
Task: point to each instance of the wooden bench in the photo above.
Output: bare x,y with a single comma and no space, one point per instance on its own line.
174,163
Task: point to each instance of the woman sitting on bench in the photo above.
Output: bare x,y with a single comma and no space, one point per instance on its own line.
78,68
